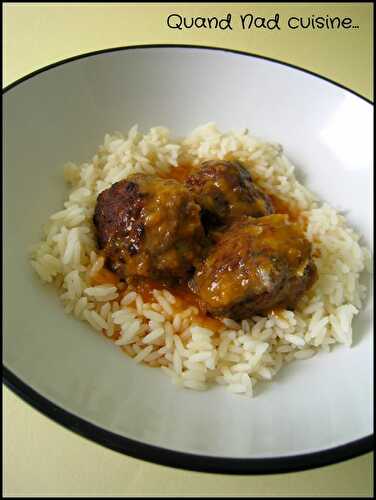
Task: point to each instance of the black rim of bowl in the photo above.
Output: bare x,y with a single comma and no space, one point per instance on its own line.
164,456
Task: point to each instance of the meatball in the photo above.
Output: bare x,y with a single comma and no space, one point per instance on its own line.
256,265
225,191
149,227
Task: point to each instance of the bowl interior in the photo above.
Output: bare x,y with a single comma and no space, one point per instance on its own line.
62,114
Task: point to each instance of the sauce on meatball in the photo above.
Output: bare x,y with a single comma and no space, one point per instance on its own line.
149,227
208,234
256,264
225,191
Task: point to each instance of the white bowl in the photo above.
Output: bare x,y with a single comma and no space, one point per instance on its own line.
316,412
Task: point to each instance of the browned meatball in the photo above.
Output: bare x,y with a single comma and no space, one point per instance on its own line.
225,191
149,227
257,264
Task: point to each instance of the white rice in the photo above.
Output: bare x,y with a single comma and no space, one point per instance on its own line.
158,332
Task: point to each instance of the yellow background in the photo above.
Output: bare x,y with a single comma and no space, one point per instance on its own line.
36,34
40,457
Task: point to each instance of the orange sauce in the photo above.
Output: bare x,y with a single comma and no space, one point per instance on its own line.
282,207
145,287
184,170
179,173
104,277
209,322
289,208
184,296
276,311
316,253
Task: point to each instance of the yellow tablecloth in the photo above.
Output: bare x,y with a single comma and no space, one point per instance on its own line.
40,457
